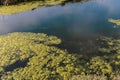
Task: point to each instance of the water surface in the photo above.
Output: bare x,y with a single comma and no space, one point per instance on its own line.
74,23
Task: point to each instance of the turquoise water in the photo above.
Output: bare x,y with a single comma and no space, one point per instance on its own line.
75,23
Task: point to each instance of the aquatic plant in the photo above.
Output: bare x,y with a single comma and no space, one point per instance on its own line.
44,61
25,5
33,56
116,22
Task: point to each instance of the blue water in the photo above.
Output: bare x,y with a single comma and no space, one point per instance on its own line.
72,22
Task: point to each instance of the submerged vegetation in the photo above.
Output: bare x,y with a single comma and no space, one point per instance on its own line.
44,60
37,56
31,56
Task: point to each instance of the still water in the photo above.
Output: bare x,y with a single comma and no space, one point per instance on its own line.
74,23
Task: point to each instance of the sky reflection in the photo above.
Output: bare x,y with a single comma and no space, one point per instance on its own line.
74,20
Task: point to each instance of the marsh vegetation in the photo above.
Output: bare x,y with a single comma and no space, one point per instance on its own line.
17,6
36,57
91,51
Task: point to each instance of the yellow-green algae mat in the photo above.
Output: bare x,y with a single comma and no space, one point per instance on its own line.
116,22
25,6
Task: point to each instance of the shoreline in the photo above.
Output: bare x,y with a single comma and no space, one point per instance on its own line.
26,6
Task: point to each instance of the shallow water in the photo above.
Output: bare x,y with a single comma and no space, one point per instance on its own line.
73,23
